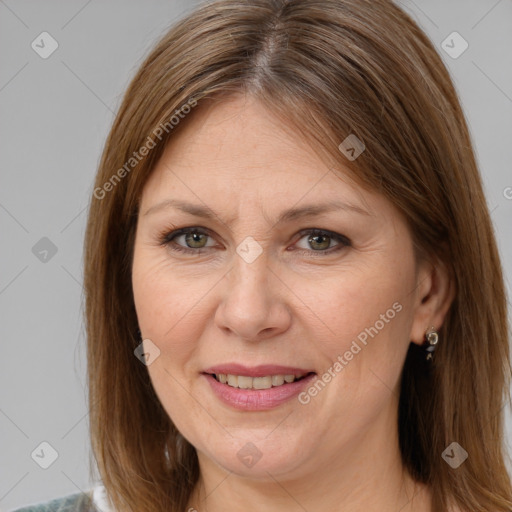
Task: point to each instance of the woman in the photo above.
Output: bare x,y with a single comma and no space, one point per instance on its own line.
294,296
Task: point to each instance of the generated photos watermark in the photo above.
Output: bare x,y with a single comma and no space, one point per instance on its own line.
144,150
343,360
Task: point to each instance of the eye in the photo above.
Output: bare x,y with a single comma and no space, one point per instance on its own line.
320,240
195,239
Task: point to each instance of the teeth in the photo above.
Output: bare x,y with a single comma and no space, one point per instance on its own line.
277,380
244,382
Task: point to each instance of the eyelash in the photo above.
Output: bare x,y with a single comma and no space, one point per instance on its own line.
166,238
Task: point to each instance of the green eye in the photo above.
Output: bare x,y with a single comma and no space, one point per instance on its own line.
320,241
195,239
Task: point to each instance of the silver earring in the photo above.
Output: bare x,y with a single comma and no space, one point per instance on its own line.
431,337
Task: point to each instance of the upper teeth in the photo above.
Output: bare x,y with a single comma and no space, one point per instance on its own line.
244,382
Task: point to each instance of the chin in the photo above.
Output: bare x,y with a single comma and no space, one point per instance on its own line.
258,459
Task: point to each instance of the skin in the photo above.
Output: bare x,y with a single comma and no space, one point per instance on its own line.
291,306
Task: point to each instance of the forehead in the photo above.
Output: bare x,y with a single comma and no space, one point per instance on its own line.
240,135
237,142
235,156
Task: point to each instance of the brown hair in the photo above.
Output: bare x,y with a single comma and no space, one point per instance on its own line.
331,68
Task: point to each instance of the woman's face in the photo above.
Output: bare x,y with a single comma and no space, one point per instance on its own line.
248,288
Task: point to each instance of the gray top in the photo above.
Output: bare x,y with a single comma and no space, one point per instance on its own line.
78,502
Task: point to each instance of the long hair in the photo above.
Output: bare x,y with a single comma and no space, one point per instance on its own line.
330,68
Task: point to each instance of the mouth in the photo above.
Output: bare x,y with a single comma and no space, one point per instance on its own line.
263,382
263,391
257,388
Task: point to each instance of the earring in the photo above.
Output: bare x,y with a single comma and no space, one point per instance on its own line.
432,337
138,335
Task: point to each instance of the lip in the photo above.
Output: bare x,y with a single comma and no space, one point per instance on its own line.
257,399
256,371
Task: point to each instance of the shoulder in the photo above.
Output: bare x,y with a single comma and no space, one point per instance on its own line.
78,502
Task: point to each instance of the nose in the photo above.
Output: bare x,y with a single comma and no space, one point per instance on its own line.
253,302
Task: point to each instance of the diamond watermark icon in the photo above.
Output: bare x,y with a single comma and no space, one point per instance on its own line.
454,455
44,250
249,249
454,45
44,455
146,352
44,45
352,147
249,454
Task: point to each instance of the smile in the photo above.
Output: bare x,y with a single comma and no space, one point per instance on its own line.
257,393
266,382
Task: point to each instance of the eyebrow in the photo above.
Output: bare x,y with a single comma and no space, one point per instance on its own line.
309,210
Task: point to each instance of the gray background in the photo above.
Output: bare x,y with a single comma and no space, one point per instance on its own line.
55,115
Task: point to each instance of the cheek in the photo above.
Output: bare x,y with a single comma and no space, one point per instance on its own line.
170,304
363,335
369,304
368,313
171,314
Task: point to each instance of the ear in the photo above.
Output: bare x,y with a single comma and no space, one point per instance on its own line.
434,294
